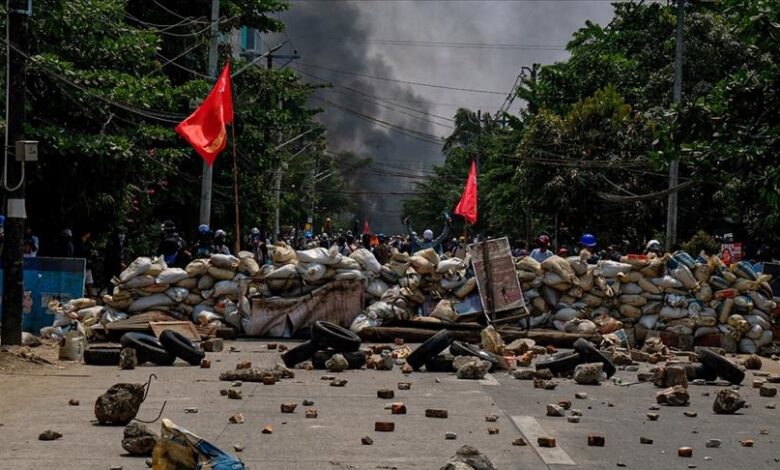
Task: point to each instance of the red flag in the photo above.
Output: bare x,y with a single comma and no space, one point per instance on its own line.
467,207
366,228
205,128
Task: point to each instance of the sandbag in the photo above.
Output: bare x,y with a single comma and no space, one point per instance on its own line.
226,289
148,303
613,268
744,270
704,293
177,294
562,268
529,264
467,288
422,265
655,268
587,281
525,276
451,264
350,263
281,254
189,283
367,260
631,289
138,282
139,266
651,308
221,274
702,272
348,274
311,272
630,312
172,276
206,282
158,266
648,286
685,276
635,300
566,314
249,266
684,259
673,313
197,268
580,326
579,266
762,303
116,303
667,282
429,254
377,287
285,272
445,310
648,321
320,256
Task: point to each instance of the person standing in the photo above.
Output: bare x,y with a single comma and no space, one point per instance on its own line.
382,250
204,246
541,252
220,243
85,249
114,256
427,240
30,244
64,247
589,250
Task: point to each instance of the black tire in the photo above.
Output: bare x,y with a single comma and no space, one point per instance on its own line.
303,352
147,348
561,363
330,335
440,363
102,355
356,359
459,348
176,344
700,371
725,369
428,349
589,353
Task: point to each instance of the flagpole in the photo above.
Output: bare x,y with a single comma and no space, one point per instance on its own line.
237,243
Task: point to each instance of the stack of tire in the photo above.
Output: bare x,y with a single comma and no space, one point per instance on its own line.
327,339
431,353
162,352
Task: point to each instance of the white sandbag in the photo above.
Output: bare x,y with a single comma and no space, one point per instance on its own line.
171,276
676,300
673,313
562,268
583,327
311,272
367,260
467,288
631,289
452,264
579,266
566,314
762,303
204,314
319,255
754,319
704,294
347,274
422,265
350,263
452,282
189,283
197,267
429,254
206,282
285,272
667,282
222,274
610,268
226,289
90,312
139,266
648,321
755,332
177,294
138,282
529,264
282,254
685,276
377,287
249,266
747,346
149,303
765,340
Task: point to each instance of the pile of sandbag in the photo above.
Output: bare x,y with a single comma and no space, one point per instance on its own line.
397,289
207,291
673,293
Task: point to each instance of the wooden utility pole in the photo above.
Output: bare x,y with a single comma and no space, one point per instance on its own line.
674,166
13,179
208,171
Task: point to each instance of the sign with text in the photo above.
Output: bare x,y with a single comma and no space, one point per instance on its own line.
731,252
496,276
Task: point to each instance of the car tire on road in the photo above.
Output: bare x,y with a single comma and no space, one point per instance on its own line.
725,369
303,352
176,344
459,348
102,355
440,363
330,335
147,348
589,353
428,349
561,362
356,359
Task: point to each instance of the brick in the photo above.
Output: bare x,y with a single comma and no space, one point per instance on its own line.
691,414
73,402
385,393
384,426
244,365
234,394
520,442
596,441
685,452
406,369
546,442
758,383
366,441
436,413
312,412
492,431
450,436
398,409
289,407
652,416
282,348
338,383
404,385
213,345
237,418
205,364
272,346
644,440
746,442
269,380
268,429
765,391
565,404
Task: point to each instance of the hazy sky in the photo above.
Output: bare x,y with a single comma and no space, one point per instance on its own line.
479,45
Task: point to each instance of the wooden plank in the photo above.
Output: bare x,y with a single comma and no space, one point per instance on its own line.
184,328
418,335
496,276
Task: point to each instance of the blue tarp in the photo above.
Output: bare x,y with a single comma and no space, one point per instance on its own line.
47,279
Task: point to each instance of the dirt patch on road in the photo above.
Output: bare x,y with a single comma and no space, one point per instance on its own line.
24,359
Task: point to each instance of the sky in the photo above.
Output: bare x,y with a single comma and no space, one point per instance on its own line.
472,51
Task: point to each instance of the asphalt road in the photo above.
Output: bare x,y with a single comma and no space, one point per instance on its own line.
31,404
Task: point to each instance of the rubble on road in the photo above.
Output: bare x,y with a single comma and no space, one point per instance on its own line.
49,435
257,374
120,403
468,458
139,439
727,401
674,396
588,374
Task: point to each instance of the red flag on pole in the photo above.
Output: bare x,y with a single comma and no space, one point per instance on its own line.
366,228
467,207
205,128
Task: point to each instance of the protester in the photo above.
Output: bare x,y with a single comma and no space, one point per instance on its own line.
204,246
173,247
257,246
85,249
64,248
220,242
541,252
344,248
654,247
427,240
589,250
30,244
382,250
114,257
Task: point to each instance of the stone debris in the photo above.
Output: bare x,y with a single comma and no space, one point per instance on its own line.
674,396
269,380
288,407
139,439
190,410
385,393
752,362
492,431
691,414
472,368
645,440
268,430
338,383
307,403
238,447
519,442
128,359
398,409
543,374
596,441
622,359
555,410
545,384
73,402
581,396
237,418
491,418
205,364
366,441
685,452
119,404
546,442
312,412
727,401
758,383
524,373
746,442
257,374
652,416
573,419
468,457
588,374
234,394
765,391
404,385
773,379
337,363
713,443
436,413
49,435
223,392
213,345
670,376
450,436
406,369
244,365
384,426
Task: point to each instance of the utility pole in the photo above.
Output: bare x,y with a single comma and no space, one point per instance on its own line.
674,166
13,258
208,171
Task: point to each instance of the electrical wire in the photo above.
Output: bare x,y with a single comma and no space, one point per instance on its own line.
406,82
448,44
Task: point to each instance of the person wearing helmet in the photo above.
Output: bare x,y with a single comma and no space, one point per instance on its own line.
541,252
427,240
204,246
257,246
173,247
589,251
64,247
220,243
654,247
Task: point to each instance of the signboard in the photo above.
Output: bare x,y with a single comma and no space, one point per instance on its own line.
731,253
494,267
47,279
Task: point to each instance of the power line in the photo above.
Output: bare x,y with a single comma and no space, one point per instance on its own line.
447,44
407,82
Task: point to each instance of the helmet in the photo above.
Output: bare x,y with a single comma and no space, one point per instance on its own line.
254,231
67,233
381,237
563,252
588,240
543,240
653,245
168,226
428,234
220,233
203,229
